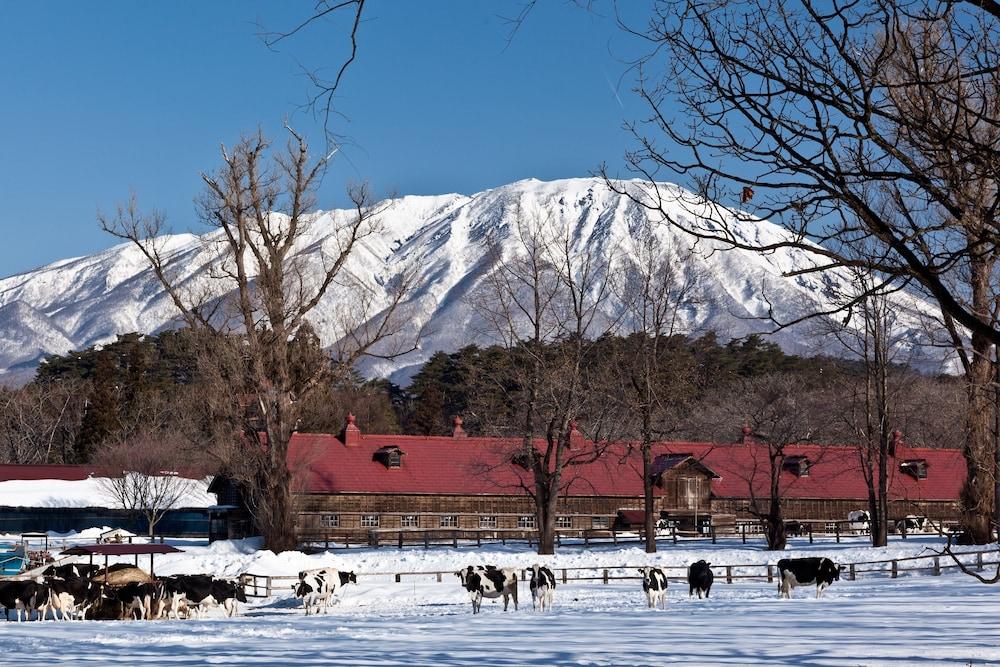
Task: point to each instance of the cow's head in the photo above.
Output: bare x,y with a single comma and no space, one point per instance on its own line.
302,589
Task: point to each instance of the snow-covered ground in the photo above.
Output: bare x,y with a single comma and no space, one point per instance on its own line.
917,619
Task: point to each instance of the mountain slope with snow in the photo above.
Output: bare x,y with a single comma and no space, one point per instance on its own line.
443,241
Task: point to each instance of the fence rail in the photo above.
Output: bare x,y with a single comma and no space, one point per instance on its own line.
428,537
257,585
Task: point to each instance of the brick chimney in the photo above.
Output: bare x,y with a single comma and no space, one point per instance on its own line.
458,431
576,438
896,443
351,435
745,432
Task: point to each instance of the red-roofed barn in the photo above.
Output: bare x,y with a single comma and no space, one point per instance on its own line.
355,482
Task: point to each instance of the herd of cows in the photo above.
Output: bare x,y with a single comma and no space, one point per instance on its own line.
492,582
82,591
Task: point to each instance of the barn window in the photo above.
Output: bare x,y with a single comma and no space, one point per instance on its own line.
370,520
449,521
487,522
526,521
390,457
564,522
409,521
600,522
798,465
915,468
329,520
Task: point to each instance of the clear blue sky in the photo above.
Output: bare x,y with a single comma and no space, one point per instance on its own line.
97,98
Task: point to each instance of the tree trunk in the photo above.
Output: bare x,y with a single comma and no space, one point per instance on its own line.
276,516
649,506
546,526
777,538
977,492
880,517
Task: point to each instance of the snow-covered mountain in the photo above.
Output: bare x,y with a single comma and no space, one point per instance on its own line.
75,303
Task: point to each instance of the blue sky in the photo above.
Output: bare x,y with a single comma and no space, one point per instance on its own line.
97,98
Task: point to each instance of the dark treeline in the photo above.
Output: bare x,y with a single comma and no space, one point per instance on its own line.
84,404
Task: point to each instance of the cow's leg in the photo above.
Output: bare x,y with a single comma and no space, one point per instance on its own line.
506,597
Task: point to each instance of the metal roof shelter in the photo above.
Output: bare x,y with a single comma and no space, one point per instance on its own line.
107,550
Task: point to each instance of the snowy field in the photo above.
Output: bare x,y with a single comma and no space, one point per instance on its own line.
917,619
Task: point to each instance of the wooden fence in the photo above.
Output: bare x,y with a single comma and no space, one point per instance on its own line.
258,585
453,537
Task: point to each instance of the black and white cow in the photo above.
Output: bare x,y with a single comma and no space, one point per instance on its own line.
70,570
859,522
198,592
700,579
489,582
318,588
801,571
138,598
543,587
914,524
70,597
654,585
19,596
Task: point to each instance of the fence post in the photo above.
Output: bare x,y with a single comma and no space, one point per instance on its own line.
895,568
729,574
673,530
564,575
903,524
439,577
979,561
770,575
937,566
810,532
605,576
713,534
398,578
400,539
853,573
743,532
427,544
836,531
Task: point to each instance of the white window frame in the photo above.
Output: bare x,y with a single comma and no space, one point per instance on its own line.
409,521
600,522
449,521
329,520
488,521
371,520
526,521
564,522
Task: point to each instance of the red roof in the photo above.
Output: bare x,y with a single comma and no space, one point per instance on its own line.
10,472
120,549
465,465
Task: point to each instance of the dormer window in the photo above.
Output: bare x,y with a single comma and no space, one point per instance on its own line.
797,465
390,457
521,459
915,468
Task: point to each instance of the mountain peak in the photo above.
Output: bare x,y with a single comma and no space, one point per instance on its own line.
76,303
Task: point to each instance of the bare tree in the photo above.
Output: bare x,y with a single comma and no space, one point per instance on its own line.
657,287
144,477
869,335
543,300
39,423
779,412
867,124
265,287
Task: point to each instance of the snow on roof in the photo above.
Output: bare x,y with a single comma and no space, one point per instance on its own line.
86,492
